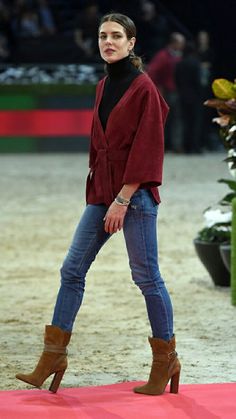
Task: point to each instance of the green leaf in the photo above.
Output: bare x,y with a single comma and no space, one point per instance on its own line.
212,234
223,88
231,183
227,198
230,159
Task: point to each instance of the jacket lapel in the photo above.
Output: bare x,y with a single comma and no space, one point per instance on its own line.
116,107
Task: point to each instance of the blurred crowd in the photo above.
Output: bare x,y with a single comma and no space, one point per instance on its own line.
65,31
24,21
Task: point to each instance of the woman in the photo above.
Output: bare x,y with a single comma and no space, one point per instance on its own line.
126,158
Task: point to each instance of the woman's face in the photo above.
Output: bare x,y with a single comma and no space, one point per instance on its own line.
113,42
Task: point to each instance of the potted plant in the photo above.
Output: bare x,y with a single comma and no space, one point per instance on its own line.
209,245
212,243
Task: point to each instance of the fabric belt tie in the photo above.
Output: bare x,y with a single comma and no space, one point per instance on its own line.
103,168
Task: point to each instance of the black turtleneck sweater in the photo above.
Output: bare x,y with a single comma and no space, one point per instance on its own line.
120,76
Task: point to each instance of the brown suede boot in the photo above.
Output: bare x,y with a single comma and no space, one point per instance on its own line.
52,361
165,366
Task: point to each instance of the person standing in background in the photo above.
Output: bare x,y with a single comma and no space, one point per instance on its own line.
208,134
188,82
161,69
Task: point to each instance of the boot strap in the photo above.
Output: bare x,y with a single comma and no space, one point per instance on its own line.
56,349
172,354
164,357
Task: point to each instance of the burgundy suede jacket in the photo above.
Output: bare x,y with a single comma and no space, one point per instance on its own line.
131,149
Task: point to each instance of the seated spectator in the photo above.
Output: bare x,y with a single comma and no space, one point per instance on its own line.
7,40
47,23
85,33
153,30
29,24
4,51
25,20
4,16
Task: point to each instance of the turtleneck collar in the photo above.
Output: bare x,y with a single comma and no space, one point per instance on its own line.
120,68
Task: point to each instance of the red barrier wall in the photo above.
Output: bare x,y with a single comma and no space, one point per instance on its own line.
45,123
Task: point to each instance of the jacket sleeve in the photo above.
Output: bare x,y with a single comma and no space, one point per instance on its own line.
145,160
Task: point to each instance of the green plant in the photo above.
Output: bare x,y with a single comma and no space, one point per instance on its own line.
225,104
219,233
218,229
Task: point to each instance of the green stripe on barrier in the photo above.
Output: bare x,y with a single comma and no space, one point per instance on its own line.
18,145
15,102
48,89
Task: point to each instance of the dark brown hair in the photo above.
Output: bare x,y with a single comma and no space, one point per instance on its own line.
130,30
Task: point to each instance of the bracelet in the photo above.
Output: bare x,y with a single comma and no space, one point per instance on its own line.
122,201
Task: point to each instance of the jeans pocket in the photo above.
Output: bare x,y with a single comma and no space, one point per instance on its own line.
142,200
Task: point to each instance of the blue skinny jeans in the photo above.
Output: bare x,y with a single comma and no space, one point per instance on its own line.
140,232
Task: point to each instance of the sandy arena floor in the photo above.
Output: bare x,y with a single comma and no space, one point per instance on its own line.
42,198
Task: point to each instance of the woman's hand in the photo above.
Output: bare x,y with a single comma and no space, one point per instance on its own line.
114,218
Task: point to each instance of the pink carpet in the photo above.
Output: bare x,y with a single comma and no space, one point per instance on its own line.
117,401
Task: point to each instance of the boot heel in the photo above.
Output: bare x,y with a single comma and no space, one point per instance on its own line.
174,384
56,381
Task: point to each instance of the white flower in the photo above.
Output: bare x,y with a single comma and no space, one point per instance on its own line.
223,228
232,153
217,216
232,129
